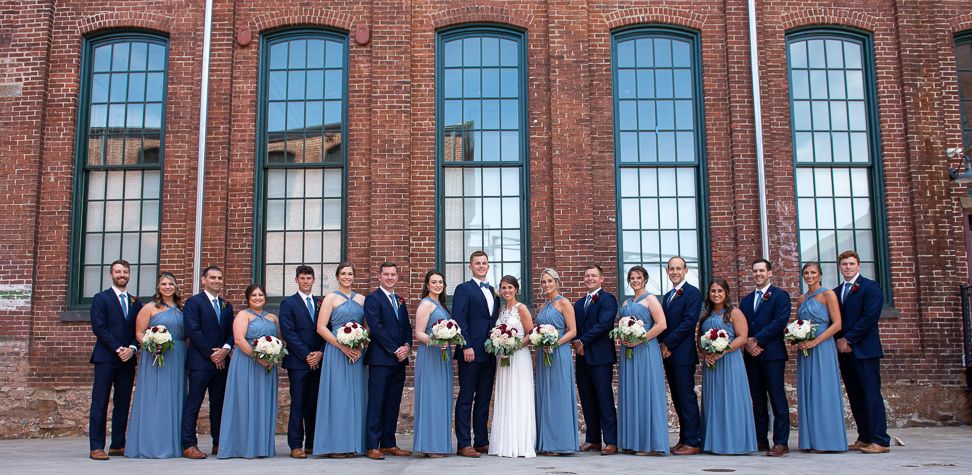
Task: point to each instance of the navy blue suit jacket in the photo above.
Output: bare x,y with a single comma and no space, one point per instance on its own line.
681,317
387,330
204,331
299,329
859,314
471,311
593,326
111,328
767,325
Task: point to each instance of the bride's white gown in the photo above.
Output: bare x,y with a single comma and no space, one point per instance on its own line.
514,430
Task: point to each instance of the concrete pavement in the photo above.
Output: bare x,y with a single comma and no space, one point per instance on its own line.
926,450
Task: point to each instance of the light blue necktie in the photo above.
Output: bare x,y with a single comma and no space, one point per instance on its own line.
759,300
124,304
843,296
310,308
216,307
587,302
394,301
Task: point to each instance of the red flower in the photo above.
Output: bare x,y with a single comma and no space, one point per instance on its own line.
766,296
347,330
163,330
449,324
268,338
319,302
678,293
854,287
799,322
401,300
713,334
594,298
631,323
354,325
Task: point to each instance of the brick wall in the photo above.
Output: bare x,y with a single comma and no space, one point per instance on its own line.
390,145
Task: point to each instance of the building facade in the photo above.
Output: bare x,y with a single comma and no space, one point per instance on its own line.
549,133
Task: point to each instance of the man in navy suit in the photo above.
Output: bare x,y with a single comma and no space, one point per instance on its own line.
209,327
767,311
682,306
475,307
387,356
595,362
298,327
859,354
113,314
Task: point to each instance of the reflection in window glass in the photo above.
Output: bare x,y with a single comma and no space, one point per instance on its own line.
657,156
303,170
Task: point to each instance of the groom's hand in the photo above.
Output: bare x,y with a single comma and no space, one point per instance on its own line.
469,354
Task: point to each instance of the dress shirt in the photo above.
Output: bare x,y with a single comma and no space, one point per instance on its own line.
486,293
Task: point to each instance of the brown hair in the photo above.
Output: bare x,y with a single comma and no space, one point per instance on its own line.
478,254
176,297
426,290
707,309
509,279
847,255
249,292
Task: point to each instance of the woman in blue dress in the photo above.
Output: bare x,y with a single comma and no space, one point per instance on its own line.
342,397
819,397
727,408
250,407
433,375
156,414
556,393
642,401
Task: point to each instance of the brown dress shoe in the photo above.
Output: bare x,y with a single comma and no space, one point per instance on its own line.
653,452
215,450
396,451
857,445
308,452
762,447
587,446
193,453
98,455
338,456
483,450
375,454
777,450
875,449
468,452
116,452
609,450
675,448
688,450
298,454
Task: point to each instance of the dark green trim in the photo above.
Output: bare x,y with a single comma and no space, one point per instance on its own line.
882,259
698,108
513,34
260,180
75,300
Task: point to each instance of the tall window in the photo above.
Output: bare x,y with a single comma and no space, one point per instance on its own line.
658,144
301,158
963,62
835,144
119,153
481,101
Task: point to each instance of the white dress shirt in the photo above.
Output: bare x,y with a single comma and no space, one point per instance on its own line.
128,308
212,297
490,301
763,290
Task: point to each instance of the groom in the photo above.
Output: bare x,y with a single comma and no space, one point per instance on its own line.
475,308
298,327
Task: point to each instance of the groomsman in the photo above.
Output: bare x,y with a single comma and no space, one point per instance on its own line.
767,311
298,327
387,357
859,354
682,306
209,326
113,314
475,307
595,362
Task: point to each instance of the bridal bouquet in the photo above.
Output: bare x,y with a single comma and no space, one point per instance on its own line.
157,340
352,336
503,341
631,329
714,341
545,336
269,349
800,331
446,331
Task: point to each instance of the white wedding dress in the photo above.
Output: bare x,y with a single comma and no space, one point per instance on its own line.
514,430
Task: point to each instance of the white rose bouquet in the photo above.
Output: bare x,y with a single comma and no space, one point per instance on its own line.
269,349
545,336
352,336
631,329
157,340
503,341
445,331
800,331
715,341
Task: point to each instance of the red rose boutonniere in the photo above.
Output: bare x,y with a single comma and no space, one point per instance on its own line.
854,287
132,300
318,306
594,298
766,296
222,304
401,301
678,293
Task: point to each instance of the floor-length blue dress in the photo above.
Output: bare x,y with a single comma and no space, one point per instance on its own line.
819,398
556,393
727,408
433,393
642,400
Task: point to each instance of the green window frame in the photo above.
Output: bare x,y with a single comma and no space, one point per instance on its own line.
836,152
963,66
659,149
301,161
119,157
482,153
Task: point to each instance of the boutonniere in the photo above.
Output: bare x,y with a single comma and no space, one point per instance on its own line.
222,304
132,300
318,305
496,294
594,298
854,287
766,296
401,300
678,293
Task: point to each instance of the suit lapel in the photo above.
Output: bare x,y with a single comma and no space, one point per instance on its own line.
479,292
304,304
118,304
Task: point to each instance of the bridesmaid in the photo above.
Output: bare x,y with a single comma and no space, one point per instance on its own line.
340,430
556,392
727,408
433,376
819,398
250,408
642,401
156,414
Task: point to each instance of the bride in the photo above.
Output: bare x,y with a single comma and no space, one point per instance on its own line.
514,430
